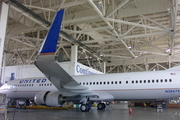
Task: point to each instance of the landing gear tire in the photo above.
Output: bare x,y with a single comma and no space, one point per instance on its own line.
85,108
101,106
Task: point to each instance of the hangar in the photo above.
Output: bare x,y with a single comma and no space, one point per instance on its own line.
111,36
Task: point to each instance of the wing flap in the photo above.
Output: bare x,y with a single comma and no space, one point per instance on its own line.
82,91
89,94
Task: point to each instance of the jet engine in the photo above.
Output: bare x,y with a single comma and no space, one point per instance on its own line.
49,98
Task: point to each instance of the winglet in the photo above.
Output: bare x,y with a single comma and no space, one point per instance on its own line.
50,42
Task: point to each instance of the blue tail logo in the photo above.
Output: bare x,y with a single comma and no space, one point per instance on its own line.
50,42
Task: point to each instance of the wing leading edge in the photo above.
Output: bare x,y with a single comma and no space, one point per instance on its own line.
51,69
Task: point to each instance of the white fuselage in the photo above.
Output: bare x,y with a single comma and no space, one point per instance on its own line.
122,86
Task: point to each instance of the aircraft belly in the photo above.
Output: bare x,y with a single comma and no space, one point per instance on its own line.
143,94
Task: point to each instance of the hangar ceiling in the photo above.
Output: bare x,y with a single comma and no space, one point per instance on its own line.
132,35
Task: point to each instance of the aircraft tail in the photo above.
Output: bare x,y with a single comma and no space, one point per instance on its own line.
50,42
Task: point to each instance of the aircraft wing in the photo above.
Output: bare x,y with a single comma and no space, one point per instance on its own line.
51,69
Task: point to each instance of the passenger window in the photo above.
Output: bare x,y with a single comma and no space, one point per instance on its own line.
165,80
104,83
48,84
140,81
119,82
87,83
133,82
144,81
100,83
112,82
115,82
93,83
157,81
90,83
83,83
170,80
97,83
161,80
152,81
136,81
149,81
108,82
126,82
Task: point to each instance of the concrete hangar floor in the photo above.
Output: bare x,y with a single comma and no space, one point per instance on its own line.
118,112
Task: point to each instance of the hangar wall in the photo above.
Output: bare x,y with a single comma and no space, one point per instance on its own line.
29,71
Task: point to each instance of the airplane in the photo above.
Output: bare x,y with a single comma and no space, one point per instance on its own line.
58,86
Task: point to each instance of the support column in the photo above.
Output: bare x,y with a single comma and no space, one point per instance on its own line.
74,51
3,68
146,64
169,62
104,67
3,24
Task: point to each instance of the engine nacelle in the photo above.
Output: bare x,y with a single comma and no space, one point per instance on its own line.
48,98
40,98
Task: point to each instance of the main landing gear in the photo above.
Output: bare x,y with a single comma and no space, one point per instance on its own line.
101,106
85,107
